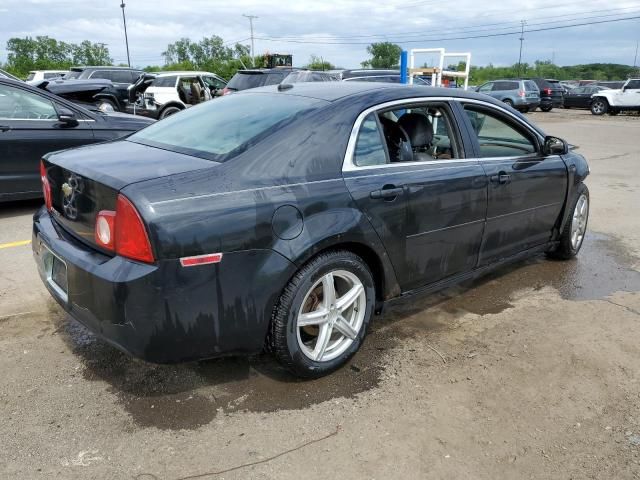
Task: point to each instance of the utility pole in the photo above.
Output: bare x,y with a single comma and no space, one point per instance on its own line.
522,24
635,58
126,39
253,56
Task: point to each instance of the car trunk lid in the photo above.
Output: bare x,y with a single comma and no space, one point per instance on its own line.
87,180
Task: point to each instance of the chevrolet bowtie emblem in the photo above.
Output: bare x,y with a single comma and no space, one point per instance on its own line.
67,190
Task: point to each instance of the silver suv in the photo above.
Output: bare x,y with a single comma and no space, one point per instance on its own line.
522,95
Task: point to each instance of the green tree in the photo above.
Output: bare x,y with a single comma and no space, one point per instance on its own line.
384,55
318,63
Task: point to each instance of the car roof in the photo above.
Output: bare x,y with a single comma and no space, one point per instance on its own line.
182,72
253,71
102,67
333,91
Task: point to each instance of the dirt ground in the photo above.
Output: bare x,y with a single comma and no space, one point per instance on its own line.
532,372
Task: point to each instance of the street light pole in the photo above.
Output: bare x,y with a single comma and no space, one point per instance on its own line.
126,39
522,24
251,17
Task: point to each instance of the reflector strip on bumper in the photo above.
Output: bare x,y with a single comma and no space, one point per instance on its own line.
201,260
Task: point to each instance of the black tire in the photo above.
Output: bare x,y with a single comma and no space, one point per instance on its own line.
106,105
599,106
565,250
546,108
169,111
508,102
284,333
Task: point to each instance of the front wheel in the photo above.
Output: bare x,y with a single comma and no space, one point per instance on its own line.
573,234
323,314
599,106
168,111
105,105
508,102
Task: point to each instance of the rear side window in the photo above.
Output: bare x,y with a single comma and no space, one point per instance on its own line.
165,81
225,128
501,86
243,81
369,147
31,77
123,76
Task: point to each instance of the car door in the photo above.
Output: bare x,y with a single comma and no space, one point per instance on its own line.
526,190
427,203
630,94
29,128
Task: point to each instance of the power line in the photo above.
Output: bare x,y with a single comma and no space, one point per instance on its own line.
443,39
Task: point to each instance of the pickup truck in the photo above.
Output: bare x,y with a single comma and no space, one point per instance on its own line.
615,101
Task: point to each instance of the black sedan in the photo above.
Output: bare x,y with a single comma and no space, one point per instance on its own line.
286,216
580,97
34,122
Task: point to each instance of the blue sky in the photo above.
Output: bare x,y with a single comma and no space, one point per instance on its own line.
152,24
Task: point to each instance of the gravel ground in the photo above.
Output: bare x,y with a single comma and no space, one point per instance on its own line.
532,372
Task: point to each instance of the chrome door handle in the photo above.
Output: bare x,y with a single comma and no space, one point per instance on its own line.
501,178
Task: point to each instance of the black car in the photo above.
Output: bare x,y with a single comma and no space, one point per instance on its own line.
551,93
580,97
257,77
378,76
117,97
34,122
284,217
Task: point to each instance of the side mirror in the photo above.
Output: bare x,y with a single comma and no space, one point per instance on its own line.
67,117
555,146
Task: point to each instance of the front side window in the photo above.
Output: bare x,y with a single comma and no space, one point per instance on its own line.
486,87
169,81
369,147
225,128
496,136
17,104
633,85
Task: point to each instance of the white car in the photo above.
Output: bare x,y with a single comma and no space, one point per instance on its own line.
158,95
36,76
615,101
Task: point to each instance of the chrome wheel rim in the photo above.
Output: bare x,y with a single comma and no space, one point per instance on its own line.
579,221
598,107
331,316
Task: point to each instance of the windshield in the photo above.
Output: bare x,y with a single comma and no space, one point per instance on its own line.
224,128
243,81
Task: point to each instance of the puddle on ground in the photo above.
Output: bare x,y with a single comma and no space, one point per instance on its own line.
188,396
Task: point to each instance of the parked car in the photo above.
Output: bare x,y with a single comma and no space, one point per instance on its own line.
120,77
551,93
522,95
614,101
257,77
158,95
36,76
287,217
34,122
94,93
580,97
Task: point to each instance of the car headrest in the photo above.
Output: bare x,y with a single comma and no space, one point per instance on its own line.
396,138
419,129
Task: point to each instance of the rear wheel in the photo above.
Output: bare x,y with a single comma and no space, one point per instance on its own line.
168,111
105,105
546,108
323,314
599,106
508,102
573,234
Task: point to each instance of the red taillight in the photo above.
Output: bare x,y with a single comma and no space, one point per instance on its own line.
547,91
132,240
46,186
521,93
123,232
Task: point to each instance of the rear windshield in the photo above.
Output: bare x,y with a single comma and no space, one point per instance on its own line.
72,74
224,128
243,81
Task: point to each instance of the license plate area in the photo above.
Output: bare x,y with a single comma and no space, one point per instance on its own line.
55,272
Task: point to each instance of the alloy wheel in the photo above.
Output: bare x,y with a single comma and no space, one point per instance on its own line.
579,221
598,107
331,316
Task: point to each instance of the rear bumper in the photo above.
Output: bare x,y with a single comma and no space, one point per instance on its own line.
552,102
166,313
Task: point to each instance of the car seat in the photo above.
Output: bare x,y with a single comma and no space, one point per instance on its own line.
420,131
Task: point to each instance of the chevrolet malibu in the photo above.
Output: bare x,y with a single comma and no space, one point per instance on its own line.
286,217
